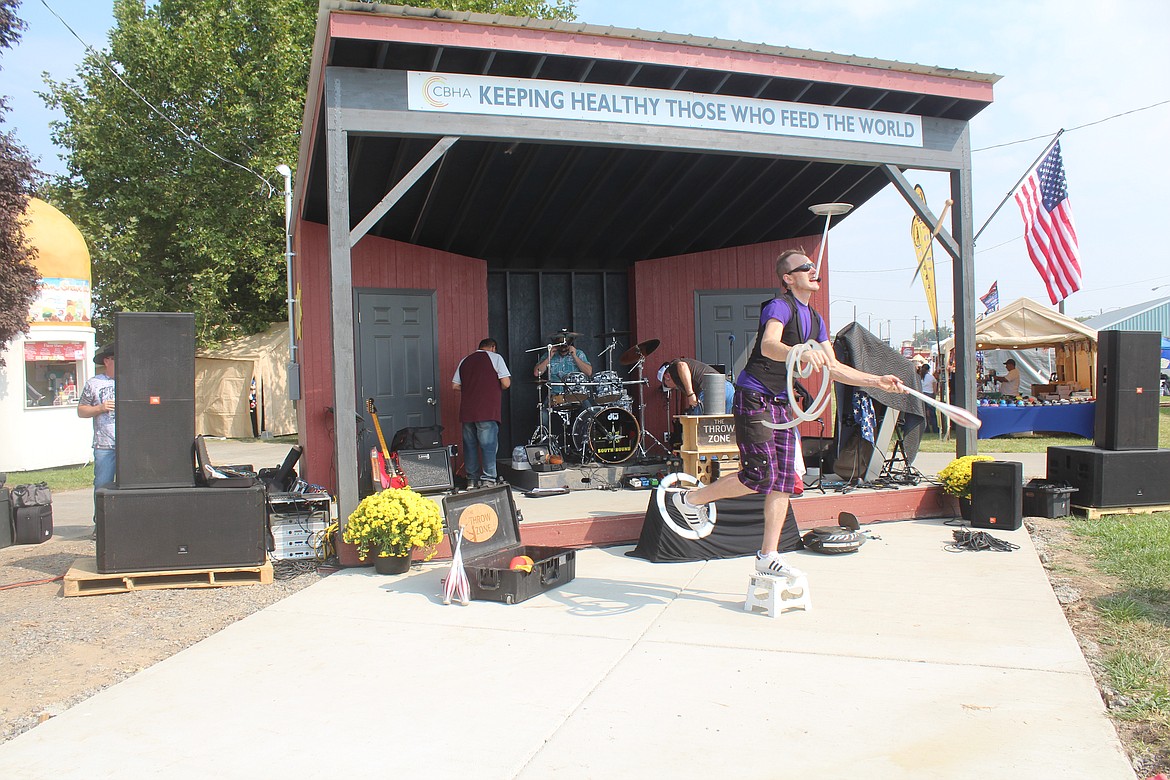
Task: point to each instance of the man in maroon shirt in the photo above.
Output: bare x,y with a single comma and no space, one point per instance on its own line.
480,380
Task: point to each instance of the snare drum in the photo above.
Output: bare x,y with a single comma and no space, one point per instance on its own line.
609,433
576,388
609,387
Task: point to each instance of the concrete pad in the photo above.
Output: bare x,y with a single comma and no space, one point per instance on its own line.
914,663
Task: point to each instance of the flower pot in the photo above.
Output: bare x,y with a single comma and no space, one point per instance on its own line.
391,564
965,509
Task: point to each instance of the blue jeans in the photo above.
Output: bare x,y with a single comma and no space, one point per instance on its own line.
103,468
479,436
729,395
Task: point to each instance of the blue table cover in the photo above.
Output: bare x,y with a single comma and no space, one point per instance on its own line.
1066,418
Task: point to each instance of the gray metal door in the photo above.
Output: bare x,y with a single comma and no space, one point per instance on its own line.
726,322
397,362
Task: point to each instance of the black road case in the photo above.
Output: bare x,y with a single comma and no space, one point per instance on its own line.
491,539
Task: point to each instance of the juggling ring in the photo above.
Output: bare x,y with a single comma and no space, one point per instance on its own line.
668,485
798,368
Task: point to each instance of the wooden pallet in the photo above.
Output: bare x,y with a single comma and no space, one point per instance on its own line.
1097,512
83,578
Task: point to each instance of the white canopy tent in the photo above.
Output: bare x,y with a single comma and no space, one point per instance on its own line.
223,380
1026,324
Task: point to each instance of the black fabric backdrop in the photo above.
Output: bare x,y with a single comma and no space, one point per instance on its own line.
737,532
857,347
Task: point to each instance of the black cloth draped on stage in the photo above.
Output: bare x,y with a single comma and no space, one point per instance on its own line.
857,347
737,532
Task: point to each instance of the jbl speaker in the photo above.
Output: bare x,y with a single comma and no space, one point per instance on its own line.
155,376
180,528
997,494
427,471
1105,478
1128,383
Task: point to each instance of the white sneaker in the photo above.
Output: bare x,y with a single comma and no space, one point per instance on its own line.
773,565
694,515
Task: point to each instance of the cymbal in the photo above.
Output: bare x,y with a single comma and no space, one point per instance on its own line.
612,334
638,351
562,335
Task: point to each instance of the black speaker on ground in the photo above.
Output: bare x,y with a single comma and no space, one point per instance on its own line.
1128,383
155,380
1105,478
997,494
427,471
5,517
180,528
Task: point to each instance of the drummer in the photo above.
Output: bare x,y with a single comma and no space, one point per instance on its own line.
687,375
564,359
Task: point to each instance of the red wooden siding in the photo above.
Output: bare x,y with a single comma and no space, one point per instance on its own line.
461,311
663,292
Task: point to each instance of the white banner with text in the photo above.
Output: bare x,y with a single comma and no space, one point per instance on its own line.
464,94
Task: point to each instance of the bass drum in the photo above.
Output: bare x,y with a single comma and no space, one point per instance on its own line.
609,433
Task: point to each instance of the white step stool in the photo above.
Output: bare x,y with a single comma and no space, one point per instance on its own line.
777,594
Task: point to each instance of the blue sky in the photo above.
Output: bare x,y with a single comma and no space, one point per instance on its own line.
1064,64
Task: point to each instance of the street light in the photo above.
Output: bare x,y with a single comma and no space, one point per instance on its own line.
294,377
844,300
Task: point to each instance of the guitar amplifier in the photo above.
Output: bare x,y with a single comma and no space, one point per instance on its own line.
427,471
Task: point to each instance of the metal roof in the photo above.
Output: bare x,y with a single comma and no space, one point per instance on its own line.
524,204
1110,318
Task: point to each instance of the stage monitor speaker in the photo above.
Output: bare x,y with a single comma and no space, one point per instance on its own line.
180,528
427,471
155,376
1128,383
997,494
1108,478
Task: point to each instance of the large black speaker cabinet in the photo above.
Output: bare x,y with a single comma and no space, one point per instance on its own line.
1128,381
997,494
155,376
1106,478
180,528
427,471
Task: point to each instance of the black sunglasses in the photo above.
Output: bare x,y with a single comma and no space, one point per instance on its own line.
800,268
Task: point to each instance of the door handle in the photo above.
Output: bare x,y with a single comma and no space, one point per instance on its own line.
432,401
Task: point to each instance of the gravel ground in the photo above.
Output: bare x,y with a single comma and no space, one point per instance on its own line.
59,651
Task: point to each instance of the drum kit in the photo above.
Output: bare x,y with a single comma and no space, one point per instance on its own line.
594,419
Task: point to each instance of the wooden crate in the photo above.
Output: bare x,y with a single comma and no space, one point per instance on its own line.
707,432
698,464
1097,512
83,579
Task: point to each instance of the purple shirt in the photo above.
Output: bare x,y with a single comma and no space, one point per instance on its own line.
780,311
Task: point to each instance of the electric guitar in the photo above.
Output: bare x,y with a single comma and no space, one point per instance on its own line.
386,469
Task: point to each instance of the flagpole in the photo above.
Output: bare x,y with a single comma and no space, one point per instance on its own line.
1016,186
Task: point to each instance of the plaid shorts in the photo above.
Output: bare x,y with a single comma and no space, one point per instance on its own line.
767,457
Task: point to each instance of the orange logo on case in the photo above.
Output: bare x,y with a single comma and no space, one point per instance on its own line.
479,522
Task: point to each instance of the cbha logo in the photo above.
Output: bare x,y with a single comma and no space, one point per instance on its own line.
436,90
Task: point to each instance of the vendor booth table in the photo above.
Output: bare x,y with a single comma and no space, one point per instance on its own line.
1066,418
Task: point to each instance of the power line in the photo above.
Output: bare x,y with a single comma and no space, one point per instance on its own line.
186,136
1071,129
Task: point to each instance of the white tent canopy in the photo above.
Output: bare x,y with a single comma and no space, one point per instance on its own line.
223,379
1026,324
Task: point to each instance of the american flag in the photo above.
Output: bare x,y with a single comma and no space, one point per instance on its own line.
1049,228
991,300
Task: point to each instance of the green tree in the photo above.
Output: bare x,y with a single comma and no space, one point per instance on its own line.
928,337
19,278
173,197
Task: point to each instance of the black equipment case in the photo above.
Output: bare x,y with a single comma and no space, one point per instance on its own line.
491,539
32,524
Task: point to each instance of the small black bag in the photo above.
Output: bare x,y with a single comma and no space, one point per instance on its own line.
32,495
426,438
